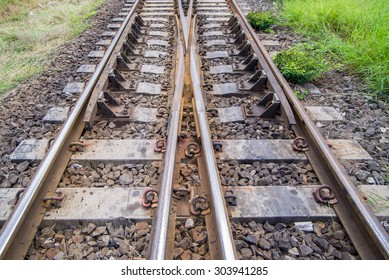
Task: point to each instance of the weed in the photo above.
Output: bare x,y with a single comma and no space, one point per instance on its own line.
261,20
301,94
355,31
302,63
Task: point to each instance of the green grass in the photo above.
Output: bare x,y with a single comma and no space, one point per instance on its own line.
355,31
301,94
302,63
31,30
261,20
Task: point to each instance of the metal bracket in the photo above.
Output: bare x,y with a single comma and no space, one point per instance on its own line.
109,107
138,29
232,21
249,64
123,63
213,112
300,144
115,78
130,50
78,146
230,197
162,111
192,150
324,195
243,50
180,191
150,198
267,107
217,146
160,146
256,82
140,21
199,205
53,200
135,38
238,39
235,28
15,201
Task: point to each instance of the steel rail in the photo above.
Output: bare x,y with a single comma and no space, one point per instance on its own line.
364,229
161,222
224,231
184,23
18,215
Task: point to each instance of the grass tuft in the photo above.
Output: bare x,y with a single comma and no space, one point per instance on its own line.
302,63
355,31
261,20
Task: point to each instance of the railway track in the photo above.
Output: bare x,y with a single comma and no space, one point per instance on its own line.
187,143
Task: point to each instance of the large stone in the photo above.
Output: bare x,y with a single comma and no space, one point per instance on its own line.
30,150
324,114
189,223
264,244
239,244
321,242
304,250
124,247
126,178
246,253
186,255
59,256
252,239
22,166
186,243
294,252
96,54
141,226
199,237
268,227
284,244
98,231
56,115
177,252
339,234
